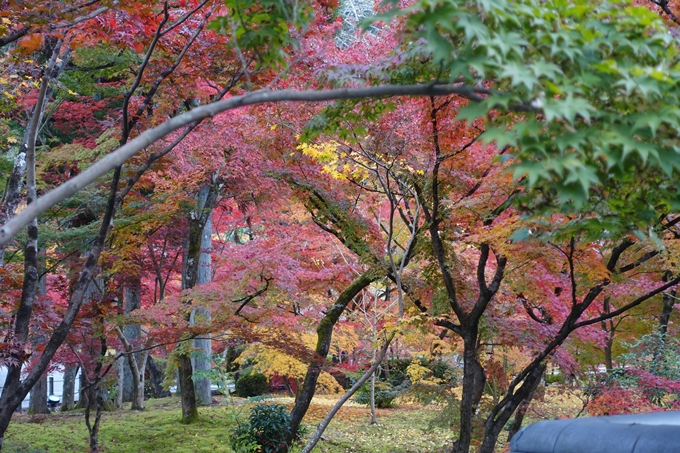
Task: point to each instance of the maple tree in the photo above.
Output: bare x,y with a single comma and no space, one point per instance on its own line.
515,196
160,32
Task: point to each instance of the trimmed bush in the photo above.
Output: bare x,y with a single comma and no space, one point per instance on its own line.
265,431
554,378
253,384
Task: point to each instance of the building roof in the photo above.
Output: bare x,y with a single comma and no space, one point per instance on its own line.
640,433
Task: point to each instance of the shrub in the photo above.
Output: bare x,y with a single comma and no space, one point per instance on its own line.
554,378
385,394
441,369
241,441
253,384
397,370
265,431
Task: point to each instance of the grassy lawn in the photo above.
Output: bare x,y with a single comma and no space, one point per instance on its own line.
157,429
407,428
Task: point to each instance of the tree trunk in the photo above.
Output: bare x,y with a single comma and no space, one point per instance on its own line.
494,426
608,346
137,364
343,399
38,402
202,360
474,379
95,399
120,369
82,391
68,393
156,378
324,334
12,196
93,429
668,303
522,411
138,383
91,394
14,390
197,223
374,420
132,333
189,406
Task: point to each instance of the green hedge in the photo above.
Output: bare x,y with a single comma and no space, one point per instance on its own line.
253,384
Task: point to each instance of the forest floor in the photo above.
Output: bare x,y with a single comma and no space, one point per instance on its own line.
406,428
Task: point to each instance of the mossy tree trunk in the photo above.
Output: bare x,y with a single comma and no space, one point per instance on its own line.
324,336
201,362
198,218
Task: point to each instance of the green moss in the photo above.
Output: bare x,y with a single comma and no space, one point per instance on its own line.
191,418
158,429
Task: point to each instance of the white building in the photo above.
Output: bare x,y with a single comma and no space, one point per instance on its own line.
55,385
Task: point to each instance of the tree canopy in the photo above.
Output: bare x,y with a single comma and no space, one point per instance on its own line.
475,181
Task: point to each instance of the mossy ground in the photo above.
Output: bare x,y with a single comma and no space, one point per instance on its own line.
158,429
404,429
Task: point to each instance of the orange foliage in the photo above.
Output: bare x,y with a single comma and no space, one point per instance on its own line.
620,401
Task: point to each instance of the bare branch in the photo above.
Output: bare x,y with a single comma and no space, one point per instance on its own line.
119,156
18,34
628,306
663,4
181,20
77,20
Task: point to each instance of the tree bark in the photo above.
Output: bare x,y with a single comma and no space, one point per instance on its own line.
668,304
12,197
522,411
374,420
38,399
474,379
132,333
137,365
189,404
120,369
494,426
201,361
369,373
198,219
14,391
156,378
324,334
38,402
68,394
95,399
608,347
